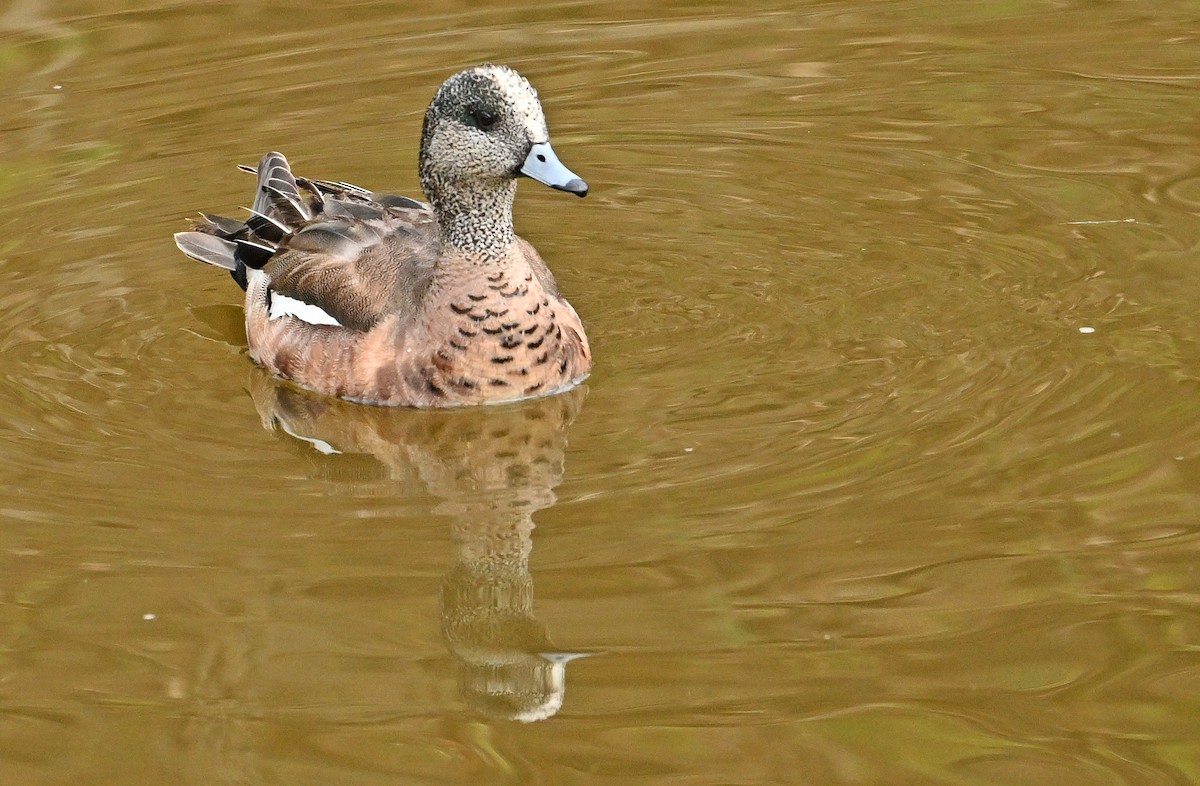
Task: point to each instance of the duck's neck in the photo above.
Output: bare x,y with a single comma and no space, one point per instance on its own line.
476,222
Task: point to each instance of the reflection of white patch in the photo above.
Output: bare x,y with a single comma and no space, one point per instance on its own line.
284,306
321,445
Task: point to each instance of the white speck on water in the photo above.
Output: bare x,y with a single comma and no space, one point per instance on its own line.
149,617
1087,330
688,450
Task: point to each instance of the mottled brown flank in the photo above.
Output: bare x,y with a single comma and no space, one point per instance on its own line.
285,361
387,379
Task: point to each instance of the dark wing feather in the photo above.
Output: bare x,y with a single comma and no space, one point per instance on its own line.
225,226
277,189
207,248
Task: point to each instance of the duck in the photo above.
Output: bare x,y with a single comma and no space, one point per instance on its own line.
387,300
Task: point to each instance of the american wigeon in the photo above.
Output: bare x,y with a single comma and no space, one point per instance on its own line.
386,300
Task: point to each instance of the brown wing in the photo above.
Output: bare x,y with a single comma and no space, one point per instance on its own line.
356,255
359,261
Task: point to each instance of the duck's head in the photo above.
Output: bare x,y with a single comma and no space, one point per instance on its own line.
485,128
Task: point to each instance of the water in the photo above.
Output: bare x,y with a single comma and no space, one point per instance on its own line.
852,497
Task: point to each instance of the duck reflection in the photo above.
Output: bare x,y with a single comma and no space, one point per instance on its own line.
493,468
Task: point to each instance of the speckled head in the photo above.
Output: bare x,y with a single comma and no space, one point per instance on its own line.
484,128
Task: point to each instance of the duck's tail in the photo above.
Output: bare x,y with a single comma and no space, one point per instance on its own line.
282,206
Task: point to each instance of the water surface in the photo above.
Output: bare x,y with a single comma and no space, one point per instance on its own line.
888,472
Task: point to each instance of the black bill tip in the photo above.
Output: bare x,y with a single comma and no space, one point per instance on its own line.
575,186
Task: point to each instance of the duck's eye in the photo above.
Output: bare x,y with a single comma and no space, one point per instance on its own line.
482,119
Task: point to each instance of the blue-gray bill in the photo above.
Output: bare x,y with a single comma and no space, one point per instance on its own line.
543,166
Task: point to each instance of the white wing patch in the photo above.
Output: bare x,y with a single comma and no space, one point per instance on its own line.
284,306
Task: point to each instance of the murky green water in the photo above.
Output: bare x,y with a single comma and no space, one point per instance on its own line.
851,498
